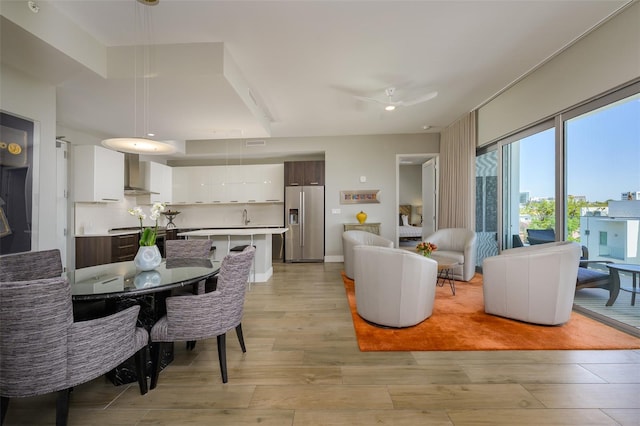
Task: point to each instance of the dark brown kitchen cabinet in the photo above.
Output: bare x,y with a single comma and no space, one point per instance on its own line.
124,247
100,250
293,173
91,251
171,234
303,173
314,173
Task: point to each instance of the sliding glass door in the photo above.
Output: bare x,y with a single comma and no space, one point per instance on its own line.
575,177
602,207
528,187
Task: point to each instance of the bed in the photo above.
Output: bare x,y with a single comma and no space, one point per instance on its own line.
406,231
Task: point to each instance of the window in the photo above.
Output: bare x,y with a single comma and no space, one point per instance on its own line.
602,142
528,185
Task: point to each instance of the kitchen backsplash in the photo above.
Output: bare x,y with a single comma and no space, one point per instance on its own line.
99,218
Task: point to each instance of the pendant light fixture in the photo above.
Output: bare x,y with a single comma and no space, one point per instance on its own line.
141,144
149,2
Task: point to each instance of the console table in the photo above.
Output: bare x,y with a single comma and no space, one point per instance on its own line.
374,228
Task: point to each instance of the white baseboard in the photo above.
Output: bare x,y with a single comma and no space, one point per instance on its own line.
262,277
333,259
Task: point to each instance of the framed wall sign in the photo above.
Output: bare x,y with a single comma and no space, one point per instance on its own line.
364,196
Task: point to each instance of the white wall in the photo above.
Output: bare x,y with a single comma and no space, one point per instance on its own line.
601,61
36,101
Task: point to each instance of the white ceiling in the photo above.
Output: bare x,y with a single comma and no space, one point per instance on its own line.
304,62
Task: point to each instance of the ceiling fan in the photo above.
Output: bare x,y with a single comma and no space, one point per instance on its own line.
390,104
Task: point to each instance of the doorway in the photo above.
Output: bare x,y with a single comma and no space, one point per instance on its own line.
417,191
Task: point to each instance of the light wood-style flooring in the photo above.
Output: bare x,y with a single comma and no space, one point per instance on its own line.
303,368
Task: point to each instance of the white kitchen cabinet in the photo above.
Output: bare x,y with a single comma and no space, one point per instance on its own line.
98,174
200,189
257,183
191,185
269,187
158,180
220,190
262,183
236,181
179,183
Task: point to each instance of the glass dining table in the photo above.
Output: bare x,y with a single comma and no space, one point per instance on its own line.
105,289
122,279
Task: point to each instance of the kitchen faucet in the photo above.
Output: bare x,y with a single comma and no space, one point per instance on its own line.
245,217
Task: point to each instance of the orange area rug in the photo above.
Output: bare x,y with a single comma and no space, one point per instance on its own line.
458,323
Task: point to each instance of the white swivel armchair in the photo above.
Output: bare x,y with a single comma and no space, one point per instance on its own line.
394,287
459,245
534,283
353,238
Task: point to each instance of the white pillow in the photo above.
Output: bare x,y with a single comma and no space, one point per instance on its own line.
405,220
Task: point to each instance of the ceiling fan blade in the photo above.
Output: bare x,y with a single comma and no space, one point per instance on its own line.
419,100
362,98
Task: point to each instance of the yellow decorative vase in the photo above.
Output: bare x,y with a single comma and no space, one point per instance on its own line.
362,217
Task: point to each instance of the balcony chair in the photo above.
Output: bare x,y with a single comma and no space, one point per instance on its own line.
394,287
589,277
201,316
534,284
540,236
457,245
42,350
353,238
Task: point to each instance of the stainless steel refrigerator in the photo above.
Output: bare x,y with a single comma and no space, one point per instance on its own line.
304,210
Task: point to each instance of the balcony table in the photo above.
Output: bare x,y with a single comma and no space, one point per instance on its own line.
615,269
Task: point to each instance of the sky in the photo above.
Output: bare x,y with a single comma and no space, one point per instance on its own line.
603,154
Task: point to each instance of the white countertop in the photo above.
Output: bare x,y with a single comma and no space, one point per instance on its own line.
201,232
107,234
233,231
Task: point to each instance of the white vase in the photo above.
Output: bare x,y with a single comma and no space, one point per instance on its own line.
147,279
147,258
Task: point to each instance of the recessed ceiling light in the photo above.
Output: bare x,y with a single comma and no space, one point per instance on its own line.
390,107
33,6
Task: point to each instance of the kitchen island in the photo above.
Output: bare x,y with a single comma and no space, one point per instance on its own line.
226,238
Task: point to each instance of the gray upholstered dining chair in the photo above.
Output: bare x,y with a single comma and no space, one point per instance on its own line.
189,249
42,350
31,265
203,316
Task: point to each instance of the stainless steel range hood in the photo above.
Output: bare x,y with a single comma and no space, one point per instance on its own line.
133,179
